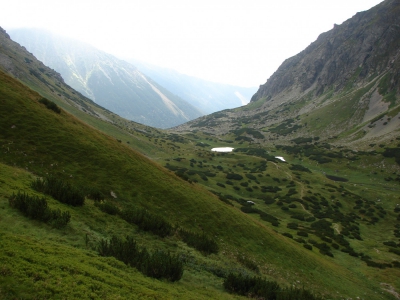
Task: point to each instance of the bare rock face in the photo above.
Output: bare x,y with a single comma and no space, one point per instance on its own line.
337,89
2,31
367,44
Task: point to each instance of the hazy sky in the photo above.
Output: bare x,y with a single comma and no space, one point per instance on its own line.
229,41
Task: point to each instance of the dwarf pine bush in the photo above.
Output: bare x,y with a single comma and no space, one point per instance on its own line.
159,264
36,208
147,221
108,208
199,241
50,105
257,287
59,190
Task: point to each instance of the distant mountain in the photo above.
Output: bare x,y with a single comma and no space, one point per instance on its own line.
344,87
110,82
17,62
207,96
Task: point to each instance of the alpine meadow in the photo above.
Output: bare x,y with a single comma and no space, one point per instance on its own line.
305,206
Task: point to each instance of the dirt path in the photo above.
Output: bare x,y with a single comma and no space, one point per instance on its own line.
298,183
388,288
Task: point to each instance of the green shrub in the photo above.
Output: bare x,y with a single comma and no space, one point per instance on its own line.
336,178
147,221
302,233
269,200
95,194
36,208
287,234
390,244
269,218
307,246
157,265
50,105
234,176
299,168
251,176
257,287
108,208
292,225
199,241
59,190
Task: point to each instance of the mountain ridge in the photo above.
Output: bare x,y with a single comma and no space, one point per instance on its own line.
208,96
109,81
327,61
338,88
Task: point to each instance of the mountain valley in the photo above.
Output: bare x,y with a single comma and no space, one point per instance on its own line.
306,206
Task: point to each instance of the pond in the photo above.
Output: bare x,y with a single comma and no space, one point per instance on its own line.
222,149
280,157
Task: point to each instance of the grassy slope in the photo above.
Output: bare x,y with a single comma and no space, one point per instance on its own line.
43,142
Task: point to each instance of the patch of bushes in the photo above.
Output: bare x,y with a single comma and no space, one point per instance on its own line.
270,189
248,209
302,233
287,234
395,251
95,194
292,225
336,178
251,176
269,218
323,249
36,208
108,208
299,168
50,105
373,264
390,244
257,152
234,176
269,200
307,246
302,140
257,287
59,190
159,264
225,200
199,241
392,152
147,221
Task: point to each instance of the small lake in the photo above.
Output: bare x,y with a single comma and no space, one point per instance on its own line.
280,157
222,149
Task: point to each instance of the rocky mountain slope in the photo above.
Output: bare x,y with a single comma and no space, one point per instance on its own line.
344,87
110,82
207,96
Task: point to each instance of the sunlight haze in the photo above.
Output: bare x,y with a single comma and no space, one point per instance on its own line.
235,42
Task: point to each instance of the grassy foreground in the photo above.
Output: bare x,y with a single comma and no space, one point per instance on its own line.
38,261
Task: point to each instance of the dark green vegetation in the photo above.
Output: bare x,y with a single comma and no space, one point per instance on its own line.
326,219
157,265
59,190
256,287
36,208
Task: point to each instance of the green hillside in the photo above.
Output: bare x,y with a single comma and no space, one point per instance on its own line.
47,262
